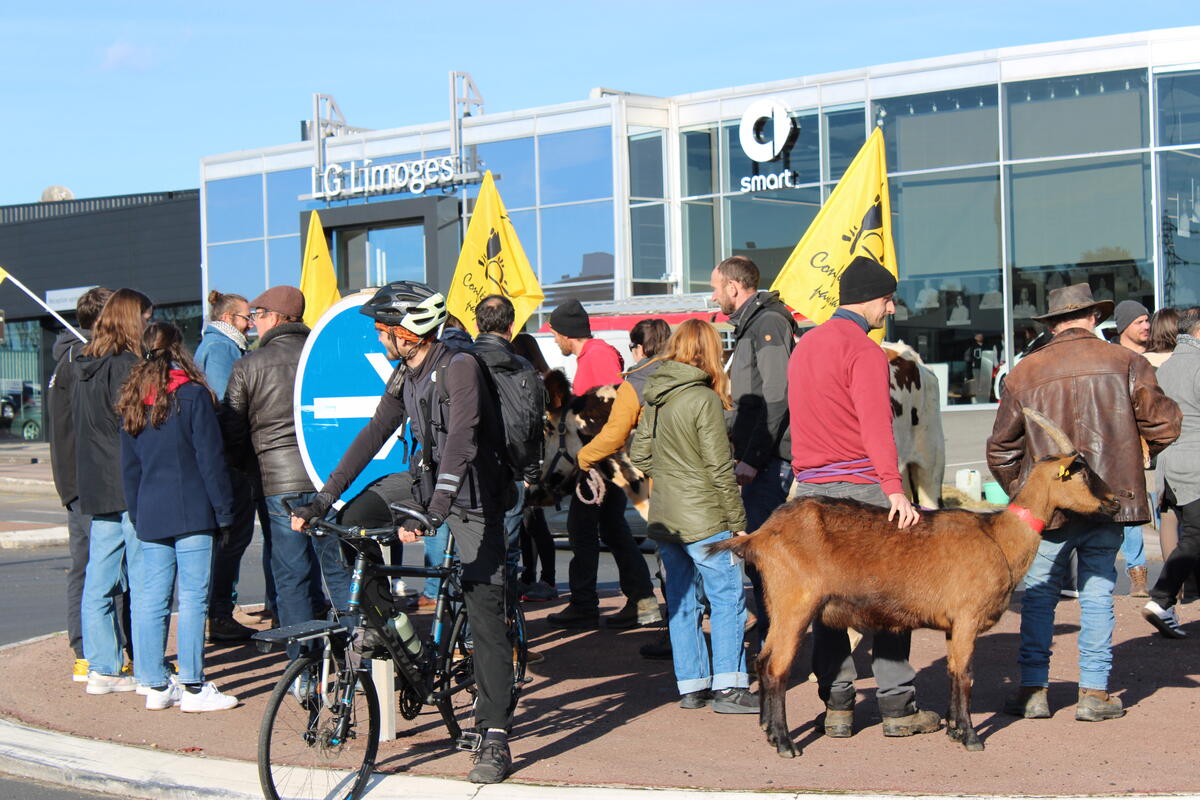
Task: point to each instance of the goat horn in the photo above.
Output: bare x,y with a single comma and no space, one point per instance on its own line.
1056,433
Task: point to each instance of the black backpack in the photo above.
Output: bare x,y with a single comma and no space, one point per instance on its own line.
517,390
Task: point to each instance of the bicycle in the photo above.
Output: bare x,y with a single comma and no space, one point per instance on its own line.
320,732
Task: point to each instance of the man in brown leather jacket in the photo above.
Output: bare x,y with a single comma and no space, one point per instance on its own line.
1107,400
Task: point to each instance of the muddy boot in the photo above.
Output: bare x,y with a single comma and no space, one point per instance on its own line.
839,714
1096,705
901,717
1137,582
1030,702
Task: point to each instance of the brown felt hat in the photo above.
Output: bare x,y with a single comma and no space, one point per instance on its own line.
286,300
1073,299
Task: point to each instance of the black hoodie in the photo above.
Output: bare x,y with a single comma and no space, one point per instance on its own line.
60,428
97,388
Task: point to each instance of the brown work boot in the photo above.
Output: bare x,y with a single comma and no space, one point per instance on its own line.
920,721
839,724
1096,705
1137,582
1030,702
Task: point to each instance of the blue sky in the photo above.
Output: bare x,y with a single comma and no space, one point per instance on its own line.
122,97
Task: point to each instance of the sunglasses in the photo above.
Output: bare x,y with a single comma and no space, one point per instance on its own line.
400,333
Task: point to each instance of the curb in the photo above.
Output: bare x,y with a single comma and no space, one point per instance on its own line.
36,537
9,485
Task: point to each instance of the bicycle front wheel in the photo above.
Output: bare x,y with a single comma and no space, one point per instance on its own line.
319,735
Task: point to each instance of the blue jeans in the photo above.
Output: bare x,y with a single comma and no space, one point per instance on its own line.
1095,545
721,575
298,563
191,556
512,537
114,563
767,492
1133,548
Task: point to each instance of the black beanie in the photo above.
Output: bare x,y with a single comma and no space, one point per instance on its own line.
865,279
571,320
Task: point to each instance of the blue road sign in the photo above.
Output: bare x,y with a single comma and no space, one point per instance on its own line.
343,371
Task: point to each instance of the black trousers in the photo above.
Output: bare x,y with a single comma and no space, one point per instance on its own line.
537,546
228,550
482,543
1182,562
586,525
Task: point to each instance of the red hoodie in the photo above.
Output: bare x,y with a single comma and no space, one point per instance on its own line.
599,364
175,379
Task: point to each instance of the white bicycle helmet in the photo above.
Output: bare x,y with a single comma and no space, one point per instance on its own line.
413,306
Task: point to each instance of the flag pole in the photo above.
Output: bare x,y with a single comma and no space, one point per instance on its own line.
41,303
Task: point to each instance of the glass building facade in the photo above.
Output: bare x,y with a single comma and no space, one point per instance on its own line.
1012,172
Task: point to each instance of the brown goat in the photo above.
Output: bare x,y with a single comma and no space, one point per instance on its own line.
954,571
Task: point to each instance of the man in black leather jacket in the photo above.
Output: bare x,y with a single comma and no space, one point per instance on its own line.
258,414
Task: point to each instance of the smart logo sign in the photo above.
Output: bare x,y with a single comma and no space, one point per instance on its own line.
342,373
759,148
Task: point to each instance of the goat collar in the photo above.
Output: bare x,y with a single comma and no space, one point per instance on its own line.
1026,516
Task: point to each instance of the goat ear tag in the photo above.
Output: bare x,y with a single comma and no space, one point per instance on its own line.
1063,472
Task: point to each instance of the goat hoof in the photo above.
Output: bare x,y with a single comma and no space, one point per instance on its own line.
785,749
975,746
955,734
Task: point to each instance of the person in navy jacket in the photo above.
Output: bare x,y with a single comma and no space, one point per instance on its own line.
178,494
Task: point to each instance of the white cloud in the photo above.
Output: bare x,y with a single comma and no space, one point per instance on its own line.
125,56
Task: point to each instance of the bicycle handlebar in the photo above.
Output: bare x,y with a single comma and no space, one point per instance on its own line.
418,515
353,532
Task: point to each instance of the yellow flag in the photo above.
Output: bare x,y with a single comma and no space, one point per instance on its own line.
856,221
318,282
492,261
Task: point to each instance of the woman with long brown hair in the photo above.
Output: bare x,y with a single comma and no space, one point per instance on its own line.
179,495
1164,330
682,445
114,555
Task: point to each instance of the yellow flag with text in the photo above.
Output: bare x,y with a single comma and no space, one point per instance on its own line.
318,283
492,261
856,221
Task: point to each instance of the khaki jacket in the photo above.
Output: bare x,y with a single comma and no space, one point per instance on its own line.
1104,397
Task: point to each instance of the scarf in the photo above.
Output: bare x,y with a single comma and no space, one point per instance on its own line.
233,333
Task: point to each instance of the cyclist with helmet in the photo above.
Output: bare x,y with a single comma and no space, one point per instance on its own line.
459,474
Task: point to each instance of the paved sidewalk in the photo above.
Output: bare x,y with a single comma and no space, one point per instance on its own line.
598,715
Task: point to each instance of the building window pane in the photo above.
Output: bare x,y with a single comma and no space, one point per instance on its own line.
844,137
1080,222
649,233
511,161
21,396
699,243
646,165
188,317
237,268
1179,109
283,204
577,252
940,129
1179,201
949,305
798,162
234,208
765,227
699,153
576,165
284,261
1077,114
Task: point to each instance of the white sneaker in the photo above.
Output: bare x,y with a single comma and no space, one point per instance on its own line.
1165,619
143,689
208,699
159,700
103,684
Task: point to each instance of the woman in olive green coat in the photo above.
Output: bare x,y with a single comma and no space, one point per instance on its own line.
682,445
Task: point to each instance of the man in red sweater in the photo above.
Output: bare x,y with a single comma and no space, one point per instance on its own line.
839,398
598,364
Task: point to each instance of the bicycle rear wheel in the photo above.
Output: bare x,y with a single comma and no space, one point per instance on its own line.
312,743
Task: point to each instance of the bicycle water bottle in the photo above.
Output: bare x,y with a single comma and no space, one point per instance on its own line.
402,626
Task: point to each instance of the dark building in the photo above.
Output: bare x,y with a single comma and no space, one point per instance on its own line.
149,242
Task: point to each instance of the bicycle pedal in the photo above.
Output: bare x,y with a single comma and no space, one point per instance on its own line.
469,742
524,681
